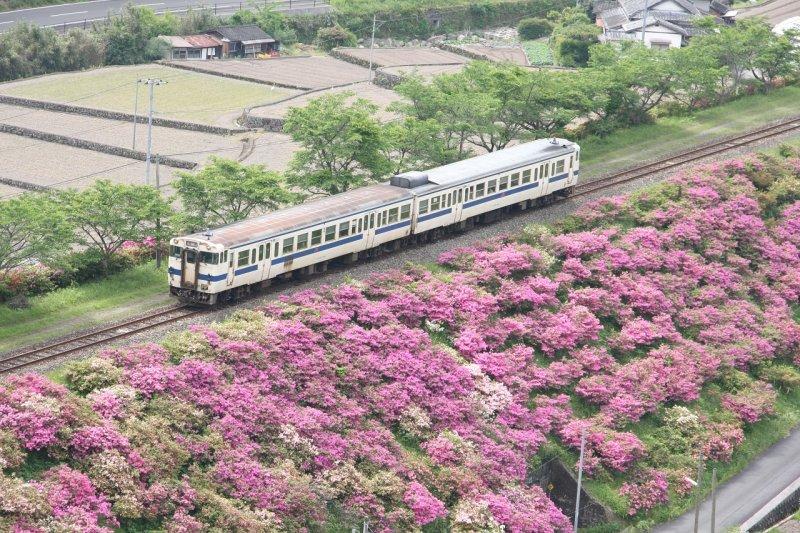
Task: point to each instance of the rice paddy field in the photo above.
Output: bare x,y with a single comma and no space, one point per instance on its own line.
187,96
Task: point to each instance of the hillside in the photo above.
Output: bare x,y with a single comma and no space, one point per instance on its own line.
661,324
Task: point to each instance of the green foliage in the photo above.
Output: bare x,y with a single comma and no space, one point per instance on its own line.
272,21
106,215
573,35
784,377
538,52
334,37
533,28
227,191
342,144
131,37
86,375
32,227
29,50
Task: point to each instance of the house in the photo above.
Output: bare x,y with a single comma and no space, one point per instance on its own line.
244,41
193,46
666,23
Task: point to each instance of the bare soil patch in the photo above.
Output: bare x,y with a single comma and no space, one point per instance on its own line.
390,57
312,72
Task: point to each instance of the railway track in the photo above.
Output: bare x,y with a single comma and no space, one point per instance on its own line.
688,156
13,362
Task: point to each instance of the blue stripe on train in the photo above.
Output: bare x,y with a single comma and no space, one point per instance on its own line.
559,178
328,246
392,227
501,194
434,215
202,277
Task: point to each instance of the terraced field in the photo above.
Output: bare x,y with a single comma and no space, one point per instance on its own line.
389,57
311,72
187,96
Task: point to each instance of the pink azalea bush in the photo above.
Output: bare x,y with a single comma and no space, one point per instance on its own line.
418,398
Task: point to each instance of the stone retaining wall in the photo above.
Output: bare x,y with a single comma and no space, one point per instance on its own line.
116,115
237,76
462,51
26,185
91,145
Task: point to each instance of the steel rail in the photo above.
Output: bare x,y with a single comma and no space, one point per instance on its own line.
34,356
17,361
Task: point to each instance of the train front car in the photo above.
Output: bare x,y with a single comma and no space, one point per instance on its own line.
198,269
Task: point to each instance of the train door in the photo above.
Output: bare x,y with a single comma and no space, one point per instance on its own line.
369,230
458,204
268,247
231,267
190,263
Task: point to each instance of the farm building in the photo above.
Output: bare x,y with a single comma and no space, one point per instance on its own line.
193,46
244,41
667,23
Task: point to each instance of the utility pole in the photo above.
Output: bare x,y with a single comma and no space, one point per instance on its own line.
644,20
151,83
698,493
580,479
158,219
372,44
714,500
135,113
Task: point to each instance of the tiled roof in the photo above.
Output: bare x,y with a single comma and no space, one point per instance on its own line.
202,41
246,32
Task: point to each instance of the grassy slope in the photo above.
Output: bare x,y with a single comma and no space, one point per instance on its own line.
633,145
370,6
75,308
186,96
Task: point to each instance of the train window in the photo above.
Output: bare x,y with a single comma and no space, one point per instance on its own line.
231,263
570,162
560,167
450,198
225,256
526,176
366,222
330,233
266,250
460,195
405,212
316,237
383,218
372,221
353,226
423,207
175,251
435,203
209,258
515,179
545,171
360,226
288,245
302,241
344,229
244,258
553,169
276,249
504,183
470,193
535,174
253,255
393,213
479,188
491,186
261,253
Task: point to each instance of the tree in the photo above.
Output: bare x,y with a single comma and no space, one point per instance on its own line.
107,214
413,144
131,37
701,77
32,227
573,35
534,28
269,19
341,141
334,36
226,191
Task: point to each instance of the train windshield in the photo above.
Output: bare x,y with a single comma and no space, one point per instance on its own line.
175,251
209,258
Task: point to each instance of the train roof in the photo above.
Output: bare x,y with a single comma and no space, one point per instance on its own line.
485,165
304,215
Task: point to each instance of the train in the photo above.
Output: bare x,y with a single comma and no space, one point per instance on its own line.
228,262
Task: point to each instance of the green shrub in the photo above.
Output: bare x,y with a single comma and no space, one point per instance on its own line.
86,375
784,377
534,28
333,37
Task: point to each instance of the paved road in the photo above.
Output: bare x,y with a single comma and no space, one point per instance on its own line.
743,495
774,10
82,14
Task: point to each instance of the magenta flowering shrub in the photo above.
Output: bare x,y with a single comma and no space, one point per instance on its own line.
418,397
